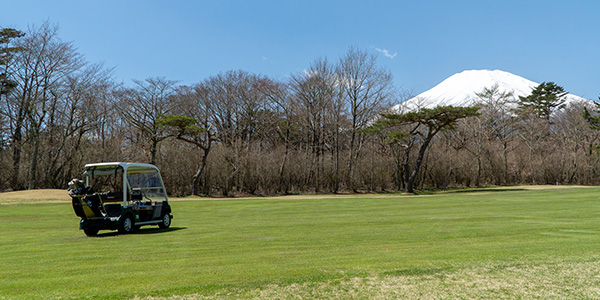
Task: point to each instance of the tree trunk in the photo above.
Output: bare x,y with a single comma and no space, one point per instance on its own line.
478,178
196,180
17,138
405,167
505,154
350,181
336,186
282,186
399,169
153,148
34,161
16,163
413,175
198,176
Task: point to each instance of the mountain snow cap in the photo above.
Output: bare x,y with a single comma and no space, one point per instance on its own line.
460,88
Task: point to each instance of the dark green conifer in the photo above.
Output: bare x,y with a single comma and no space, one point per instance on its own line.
6,52
545,99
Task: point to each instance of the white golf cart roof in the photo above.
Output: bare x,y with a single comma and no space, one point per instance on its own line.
109,167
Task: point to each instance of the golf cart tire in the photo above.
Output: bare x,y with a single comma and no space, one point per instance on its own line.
127,225
166,222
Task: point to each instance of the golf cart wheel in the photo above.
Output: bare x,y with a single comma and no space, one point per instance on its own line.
166,222
126,225
90,231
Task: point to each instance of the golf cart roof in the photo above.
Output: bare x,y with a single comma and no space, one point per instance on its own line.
124,166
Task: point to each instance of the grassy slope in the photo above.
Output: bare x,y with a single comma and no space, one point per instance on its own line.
34,197
257,246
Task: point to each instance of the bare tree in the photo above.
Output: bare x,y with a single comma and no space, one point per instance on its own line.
41,69
77,109
498,122
238,115
192,125
143,106
284,117
315,91
365,88
494,124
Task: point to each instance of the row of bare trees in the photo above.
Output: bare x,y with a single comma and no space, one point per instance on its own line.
52,110
243,133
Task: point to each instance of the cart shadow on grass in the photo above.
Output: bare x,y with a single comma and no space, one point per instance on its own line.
141,231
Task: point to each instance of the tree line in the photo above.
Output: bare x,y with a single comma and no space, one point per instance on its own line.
326,129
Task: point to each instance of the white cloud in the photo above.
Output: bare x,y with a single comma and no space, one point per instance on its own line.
386,52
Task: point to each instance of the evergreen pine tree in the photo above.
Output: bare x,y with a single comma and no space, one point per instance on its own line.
426,123
6,35
544,100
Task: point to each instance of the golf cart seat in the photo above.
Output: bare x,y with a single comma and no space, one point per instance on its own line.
113,209
112,196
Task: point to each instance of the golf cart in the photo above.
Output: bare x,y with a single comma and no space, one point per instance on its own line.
120,196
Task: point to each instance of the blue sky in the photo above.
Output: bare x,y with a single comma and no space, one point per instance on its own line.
425,41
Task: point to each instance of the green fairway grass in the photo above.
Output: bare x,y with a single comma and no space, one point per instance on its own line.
486,243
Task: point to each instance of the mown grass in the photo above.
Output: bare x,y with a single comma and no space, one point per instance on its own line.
520,243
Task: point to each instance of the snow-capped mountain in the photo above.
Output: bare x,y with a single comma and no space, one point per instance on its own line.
459,89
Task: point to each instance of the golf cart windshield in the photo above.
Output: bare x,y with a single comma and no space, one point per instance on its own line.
105,179
148,183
